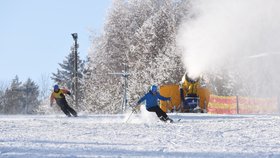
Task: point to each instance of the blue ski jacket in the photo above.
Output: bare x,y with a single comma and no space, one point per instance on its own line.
152,99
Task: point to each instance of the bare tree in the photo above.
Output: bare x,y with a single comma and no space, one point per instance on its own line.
44,86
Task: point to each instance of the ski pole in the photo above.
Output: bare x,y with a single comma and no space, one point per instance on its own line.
129,115
175,108
167,105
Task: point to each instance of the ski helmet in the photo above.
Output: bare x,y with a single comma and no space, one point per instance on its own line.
153,88
55,87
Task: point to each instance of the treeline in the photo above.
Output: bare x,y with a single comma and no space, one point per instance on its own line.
19,98
139,36
137,33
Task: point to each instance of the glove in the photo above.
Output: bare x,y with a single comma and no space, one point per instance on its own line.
72,97
134,106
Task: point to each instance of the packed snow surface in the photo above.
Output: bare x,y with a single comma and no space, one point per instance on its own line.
196,135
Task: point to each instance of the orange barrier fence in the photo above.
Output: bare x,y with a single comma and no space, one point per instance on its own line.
241,105
222,105
248,105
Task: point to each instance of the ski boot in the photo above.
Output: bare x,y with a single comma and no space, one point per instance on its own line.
162,119
169,120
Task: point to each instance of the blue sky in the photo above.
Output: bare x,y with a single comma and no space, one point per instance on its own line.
35,35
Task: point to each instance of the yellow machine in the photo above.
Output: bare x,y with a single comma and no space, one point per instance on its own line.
173,91
189,96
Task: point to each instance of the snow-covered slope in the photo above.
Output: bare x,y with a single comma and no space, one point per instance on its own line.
196,135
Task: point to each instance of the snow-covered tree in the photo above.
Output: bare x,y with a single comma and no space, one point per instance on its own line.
154,47
140,34
21,98
64,76
223,83
14,98
3,87
31,90
108,56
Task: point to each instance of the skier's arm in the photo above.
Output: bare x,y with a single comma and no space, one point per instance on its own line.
162,97
65,91
51,100
141,100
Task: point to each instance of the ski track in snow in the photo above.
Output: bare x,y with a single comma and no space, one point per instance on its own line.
196,135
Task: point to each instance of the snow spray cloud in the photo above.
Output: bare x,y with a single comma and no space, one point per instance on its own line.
241,36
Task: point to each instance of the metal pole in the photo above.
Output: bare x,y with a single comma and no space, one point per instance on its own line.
26,101
237,105
75,37
76,73
205,107
125,88
124,74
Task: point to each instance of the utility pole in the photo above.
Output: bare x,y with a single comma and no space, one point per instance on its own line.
75,37
124,74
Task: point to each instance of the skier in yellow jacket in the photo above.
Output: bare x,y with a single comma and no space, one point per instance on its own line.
59,97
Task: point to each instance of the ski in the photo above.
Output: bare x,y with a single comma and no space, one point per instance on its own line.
173,121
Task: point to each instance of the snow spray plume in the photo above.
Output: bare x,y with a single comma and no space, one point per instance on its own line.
143,117
239,36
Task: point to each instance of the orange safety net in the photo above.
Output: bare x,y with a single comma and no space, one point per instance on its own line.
242,105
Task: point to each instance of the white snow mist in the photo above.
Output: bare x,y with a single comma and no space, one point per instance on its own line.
239,36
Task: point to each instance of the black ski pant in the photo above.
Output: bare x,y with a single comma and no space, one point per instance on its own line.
158,111
62,103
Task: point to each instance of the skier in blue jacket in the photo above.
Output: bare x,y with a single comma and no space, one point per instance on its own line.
152,103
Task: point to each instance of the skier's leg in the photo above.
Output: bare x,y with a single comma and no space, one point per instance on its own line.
71,110
154,109
63,108
161,114
62,105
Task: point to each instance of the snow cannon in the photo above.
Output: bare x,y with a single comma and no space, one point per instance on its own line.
194,96
188,96
172,91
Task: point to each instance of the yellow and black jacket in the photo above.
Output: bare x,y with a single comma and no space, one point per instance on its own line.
59,96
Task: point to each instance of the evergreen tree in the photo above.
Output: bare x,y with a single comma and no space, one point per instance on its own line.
222,83
2,97
31,91
14,97
21,98
64,76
